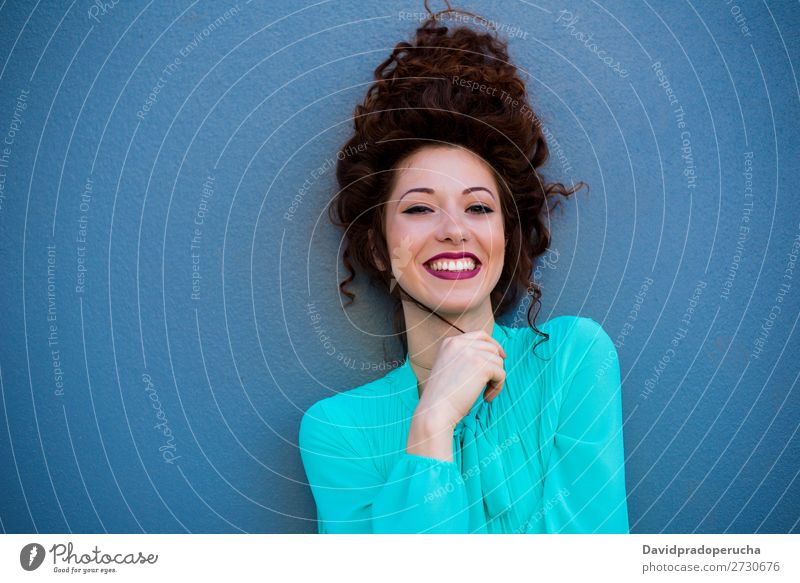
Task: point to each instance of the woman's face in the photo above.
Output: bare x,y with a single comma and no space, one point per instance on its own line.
446,201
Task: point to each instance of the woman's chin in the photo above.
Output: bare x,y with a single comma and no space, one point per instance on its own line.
454,306
449,299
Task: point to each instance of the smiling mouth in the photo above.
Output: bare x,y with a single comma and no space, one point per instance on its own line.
449,265
453,268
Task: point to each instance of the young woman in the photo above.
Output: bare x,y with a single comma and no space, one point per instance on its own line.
484,428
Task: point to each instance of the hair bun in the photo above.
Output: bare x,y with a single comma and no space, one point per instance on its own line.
449,79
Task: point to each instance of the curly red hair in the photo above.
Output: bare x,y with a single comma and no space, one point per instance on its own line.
449,87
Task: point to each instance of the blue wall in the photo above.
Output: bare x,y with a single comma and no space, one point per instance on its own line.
161,254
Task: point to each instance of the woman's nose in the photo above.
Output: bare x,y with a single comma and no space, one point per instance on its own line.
450,227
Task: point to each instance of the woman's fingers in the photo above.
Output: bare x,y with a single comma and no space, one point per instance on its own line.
492,392
481,336
491,345
497,380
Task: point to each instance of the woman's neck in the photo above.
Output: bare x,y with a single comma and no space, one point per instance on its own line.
426,332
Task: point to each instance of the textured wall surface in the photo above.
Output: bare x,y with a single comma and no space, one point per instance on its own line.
169,294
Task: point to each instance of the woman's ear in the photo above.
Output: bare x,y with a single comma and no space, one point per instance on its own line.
374,252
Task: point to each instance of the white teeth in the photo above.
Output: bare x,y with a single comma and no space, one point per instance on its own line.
450,265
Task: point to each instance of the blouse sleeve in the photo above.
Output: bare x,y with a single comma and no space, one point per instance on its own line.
420,494
584,489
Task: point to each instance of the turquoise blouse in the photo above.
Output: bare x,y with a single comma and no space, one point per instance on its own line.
545,456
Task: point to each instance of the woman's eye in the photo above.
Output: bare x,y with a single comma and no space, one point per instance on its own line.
415,210
482,209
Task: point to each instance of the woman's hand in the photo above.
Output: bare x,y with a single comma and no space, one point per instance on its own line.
463,366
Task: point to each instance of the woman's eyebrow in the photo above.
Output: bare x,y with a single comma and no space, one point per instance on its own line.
431,191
